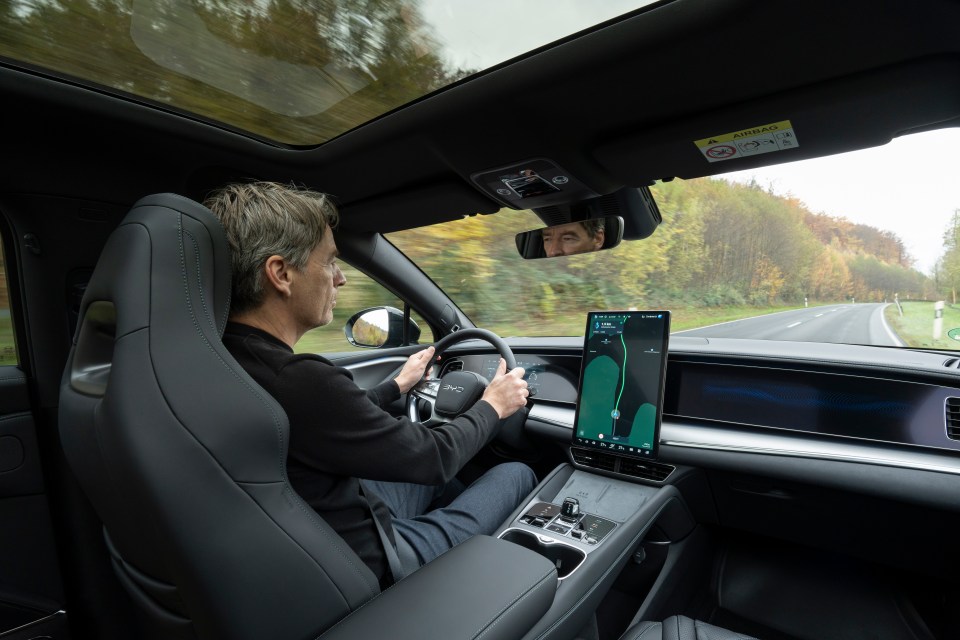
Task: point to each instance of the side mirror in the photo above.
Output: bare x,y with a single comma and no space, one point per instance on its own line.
379,327
594,234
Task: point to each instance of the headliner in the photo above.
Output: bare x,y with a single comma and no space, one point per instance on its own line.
619,106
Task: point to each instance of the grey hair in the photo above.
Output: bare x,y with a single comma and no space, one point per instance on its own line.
262,219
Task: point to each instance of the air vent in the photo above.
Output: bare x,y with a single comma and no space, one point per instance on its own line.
628,466
594,459
646,470
953,418
451,365
952,363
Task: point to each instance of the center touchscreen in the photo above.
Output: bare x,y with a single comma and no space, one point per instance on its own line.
621,382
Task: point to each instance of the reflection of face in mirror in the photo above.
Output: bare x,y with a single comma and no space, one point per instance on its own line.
573,238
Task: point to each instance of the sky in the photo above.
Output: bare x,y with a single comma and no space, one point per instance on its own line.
909,186
478,35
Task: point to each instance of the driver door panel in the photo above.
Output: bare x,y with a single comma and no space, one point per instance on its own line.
370,369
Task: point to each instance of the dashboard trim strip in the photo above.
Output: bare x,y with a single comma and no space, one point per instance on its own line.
690,436
696,437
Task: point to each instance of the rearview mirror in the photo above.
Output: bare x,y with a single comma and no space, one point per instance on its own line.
379,327
585,236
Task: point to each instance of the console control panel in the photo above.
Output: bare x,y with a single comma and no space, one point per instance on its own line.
568,522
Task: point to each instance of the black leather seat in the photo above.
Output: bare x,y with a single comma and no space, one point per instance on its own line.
183,456
680,628
184,459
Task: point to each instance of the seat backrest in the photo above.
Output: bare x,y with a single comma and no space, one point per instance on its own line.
183,455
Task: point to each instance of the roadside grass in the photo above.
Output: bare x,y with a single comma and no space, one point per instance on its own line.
695,317
681,318
915,327
330,339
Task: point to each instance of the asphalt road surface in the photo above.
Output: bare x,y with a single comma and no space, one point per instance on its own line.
843,323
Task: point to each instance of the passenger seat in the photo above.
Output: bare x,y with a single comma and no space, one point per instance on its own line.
680,628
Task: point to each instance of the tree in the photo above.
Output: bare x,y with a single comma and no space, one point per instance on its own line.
949,263
297,71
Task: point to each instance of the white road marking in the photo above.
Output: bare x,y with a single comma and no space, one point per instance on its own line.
818,315
896,341
790,326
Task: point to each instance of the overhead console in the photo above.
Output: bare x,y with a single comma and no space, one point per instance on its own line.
532,184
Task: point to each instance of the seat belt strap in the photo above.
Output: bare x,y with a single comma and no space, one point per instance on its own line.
396,567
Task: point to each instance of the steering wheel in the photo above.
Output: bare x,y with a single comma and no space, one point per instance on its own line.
436,401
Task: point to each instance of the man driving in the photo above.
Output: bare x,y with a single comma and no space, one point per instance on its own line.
573,238
285,282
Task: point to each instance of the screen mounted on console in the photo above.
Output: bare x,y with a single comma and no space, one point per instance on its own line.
621,382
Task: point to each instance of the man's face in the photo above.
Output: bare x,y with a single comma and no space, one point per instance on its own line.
570,239
315,288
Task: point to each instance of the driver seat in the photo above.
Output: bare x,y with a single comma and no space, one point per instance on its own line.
183,455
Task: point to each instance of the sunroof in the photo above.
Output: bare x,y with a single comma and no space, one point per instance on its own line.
299,72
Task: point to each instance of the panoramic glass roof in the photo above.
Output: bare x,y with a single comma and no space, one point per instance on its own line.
300,72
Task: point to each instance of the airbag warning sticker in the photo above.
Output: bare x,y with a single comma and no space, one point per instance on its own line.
767,138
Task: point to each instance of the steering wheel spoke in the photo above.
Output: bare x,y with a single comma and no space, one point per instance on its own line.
457,390
421,404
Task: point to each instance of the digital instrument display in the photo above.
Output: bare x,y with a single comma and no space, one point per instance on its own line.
829,403
620,399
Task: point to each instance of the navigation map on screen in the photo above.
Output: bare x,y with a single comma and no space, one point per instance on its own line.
621,381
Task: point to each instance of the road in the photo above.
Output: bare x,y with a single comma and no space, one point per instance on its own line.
842,323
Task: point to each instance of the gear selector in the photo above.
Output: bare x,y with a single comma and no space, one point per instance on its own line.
570,510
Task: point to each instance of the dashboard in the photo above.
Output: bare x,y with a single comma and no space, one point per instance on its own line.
885,421
868,407
876,407
550,378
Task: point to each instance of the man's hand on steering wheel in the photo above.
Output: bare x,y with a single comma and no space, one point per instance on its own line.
414,368
438,401
508,391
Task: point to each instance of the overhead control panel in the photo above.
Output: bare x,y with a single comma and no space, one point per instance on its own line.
533,183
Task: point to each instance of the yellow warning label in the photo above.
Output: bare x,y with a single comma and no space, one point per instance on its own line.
776,136
744,133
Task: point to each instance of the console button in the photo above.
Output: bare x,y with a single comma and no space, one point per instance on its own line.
543,510
558,529
596,526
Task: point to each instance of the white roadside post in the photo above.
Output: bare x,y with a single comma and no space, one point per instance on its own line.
937,319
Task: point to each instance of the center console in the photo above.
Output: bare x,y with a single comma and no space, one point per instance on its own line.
570,533
588,526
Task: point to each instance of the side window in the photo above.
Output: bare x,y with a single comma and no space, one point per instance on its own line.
8,348
359,293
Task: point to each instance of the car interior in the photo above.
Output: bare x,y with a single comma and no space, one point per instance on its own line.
143,487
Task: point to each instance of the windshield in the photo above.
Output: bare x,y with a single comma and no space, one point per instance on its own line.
296,71
858,248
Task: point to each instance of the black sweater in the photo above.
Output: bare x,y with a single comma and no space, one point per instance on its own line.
339,433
